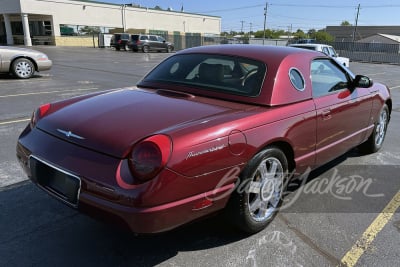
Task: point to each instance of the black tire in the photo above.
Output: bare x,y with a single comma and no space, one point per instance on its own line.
126,47
117,48
256,201
169,49
375,140
145,49
22,68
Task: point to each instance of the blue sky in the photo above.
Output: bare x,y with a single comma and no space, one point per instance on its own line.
283,14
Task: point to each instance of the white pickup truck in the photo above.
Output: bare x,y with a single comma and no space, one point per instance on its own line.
326,49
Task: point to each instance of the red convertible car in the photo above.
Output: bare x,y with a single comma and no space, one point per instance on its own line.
209,129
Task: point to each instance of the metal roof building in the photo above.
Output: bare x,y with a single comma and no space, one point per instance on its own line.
345,33
382,39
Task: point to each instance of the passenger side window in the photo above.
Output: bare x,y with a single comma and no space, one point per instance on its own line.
143,37
327,77
153,38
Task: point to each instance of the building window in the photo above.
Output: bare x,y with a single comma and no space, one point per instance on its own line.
73,30
16,28
40,28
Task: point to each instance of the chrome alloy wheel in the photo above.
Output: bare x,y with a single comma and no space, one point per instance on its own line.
23,69
380,129
265,189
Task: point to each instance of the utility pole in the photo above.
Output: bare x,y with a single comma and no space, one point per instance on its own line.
290,29
265,19
355,27
241,31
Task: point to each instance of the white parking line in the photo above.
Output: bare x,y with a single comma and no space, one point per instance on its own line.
50,92
14,121
395,87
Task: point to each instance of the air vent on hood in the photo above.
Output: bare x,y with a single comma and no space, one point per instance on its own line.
175,94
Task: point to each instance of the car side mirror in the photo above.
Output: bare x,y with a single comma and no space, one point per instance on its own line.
362,81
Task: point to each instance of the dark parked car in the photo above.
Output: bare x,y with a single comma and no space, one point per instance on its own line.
147,43
120,41
210,128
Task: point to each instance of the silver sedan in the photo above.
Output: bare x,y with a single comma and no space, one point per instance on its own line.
22,62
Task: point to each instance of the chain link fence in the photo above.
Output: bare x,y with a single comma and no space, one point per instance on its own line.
361,52
369,52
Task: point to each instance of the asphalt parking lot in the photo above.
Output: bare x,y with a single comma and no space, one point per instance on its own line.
323,224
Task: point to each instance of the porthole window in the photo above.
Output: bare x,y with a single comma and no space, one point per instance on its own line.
297,79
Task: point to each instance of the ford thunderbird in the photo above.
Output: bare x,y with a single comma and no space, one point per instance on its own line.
210,129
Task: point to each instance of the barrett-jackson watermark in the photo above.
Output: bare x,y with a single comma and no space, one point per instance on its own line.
337,186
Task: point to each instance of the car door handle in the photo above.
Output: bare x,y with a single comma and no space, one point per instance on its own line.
326,114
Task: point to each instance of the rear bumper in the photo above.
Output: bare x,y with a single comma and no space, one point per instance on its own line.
144,209
153,219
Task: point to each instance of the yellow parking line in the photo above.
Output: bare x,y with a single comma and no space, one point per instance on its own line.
49,92
354,254
14,121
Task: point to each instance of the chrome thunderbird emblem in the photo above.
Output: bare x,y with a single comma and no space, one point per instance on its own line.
70,134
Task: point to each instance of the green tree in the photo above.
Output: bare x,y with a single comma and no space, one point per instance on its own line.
345,23
269,34
311,32
300,34
321,36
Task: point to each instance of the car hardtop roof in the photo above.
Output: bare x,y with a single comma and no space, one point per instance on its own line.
263,52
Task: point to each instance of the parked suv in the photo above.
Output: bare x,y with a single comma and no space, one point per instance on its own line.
147,43
120,40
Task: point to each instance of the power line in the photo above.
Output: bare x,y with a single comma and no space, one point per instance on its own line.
228,9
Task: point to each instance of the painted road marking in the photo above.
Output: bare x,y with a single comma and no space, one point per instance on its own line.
50,92
354,254
14,121
395,87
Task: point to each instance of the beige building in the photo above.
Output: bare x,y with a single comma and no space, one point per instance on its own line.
71,22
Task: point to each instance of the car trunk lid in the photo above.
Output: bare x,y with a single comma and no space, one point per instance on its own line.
111,123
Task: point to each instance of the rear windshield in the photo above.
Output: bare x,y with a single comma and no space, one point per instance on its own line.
208,72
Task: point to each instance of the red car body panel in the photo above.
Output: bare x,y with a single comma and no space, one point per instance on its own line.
213,137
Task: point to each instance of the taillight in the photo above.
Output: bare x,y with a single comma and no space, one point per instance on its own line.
138,42
39,113
119,41
150,156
